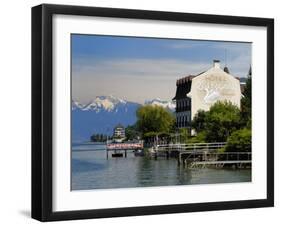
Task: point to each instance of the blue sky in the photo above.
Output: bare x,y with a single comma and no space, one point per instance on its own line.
139,69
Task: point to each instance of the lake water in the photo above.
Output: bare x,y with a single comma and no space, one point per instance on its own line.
91,170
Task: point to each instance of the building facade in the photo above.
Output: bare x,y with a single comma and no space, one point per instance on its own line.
119,131
183,102
201,91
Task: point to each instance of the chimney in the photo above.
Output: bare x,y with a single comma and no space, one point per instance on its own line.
226,70
216,64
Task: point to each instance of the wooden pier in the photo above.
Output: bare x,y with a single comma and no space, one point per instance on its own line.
220,164
186,149
201,155
119,148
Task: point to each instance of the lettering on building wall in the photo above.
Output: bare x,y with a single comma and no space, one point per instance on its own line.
213,88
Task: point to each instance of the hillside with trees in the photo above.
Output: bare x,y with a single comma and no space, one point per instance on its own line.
99,137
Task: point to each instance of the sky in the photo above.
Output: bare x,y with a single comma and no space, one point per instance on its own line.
139,69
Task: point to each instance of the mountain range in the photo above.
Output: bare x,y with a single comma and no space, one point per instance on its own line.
103,113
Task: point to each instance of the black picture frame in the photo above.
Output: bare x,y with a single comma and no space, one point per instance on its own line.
42,107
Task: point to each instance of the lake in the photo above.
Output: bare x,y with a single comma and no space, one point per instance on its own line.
91,170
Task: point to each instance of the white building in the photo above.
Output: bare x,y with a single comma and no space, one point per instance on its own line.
119,133
200,92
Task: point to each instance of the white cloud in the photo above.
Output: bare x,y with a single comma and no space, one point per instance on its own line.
138,79
144,68
131,79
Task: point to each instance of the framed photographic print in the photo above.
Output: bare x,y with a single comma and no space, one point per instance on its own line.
145,112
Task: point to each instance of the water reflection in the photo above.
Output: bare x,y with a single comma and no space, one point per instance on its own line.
91,170
84,166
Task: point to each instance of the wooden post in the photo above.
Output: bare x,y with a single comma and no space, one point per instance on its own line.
106,153
167,154
125,153
179,158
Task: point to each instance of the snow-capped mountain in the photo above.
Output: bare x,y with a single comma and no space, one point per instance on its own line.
165,104
76,105
100,116
103,113
108,103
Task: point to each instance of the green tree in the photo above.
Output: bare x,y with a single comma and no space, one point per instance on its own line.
219,122
98,137
199,121
93,138
239,141
199,138
131,132
184,135
246,102
222,119
154,119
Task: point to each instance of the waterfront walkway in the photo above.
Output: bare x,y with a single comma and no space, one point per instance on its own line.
201,155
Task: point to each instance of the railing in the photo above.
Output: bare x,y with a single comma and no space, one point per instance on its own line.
221,156
220,159
190,147
123,146
119,148
202,154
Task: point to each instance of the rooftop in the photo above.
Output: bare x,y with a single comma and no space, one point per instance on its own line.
184,83
119,126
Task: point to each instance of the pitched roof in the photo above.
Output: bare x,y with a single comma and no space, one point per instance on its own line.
119,126
184,86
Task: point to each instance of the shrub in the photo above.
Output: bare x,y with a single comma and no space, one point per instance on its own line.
239,141
219,122
199,138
